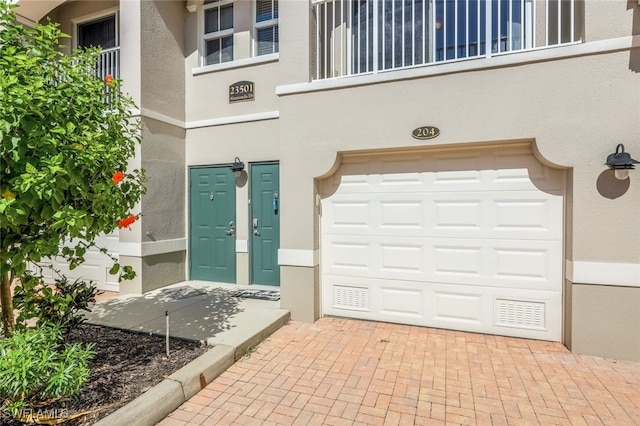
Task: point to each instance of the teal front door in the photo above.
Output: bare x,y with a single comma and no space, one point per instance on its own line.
265,223
212,207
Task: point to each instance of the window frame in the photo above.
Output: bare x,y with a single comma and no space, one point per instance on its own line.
86,19
220,34
273,22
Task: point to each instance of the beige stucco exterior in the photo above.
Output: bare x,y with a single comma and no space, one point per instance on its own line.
573,104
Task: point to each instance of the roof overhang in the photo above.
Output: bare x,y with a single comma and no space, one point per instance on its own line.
31,11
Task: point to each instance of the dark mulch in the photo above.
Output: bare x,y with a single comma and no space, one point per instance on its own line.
126,364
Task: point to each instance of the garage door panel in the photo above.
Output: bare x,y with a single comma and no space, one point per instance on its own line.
539,266
444,181
364,298
400,301
495,310
368,256
494,262
477,170
468,240
349,257
527,171
476,262
507,214
353,215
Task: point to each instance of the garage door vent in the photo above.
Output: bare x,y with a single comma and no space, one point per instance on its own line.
352,298
519,314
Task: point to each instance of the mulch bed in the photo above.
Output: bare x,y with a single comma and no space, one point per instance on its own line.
126,365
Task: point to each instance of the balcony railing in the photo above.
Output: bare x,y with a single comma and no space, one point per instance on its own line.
109,63
369,36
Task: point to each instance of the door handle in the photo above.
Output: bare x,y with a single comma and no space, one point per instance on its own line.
255,222
232,229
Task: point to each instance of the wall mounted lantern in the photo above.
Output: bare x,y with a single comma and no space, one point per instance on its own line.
237,167
621,162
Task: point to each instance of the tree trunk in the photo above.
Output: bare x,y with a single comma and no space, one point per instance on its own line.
6,302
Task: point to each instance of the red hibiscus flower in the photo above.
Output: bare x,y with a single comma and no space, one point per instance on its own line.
108,79
117,177
126,222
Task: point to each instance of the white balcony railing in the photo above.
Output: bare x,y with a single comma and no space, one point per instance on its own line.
109,63
368,36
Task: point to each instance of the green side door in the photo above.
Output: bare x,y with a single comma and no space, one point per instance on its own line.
212,211
265,223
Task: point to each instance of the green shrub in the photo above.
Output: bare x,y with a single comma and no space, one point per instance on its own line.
36,367
60,305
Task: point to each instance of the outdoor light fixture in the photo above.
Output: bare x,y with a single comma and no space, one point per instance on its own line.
621,162
237,167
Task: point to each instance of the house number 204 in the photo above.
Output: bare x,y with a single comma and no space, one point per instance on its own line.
425,132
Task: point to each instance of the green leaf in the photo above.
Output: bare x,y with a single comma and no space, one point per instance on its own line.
31,168
114,269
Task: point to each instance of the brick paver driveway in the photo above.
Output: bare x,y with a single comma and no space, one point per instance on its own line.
340,371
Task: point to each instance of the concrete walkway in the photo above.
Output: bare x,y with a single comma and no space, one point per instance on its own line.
198,311
350,372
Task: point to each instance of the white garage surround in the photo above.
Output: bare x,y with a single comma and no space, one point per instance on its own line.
468,240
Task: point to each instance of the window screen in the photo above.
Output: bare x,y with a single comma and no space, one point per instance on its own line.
98,33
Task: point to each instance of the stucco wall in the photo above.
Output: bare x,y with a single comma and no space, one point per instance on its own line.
208,93
163,158
606,321
163,143
252,141
607,20
162,59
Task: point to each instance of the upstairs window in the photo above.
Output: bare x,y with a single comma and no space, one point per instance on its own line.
101,32
218,32
266,27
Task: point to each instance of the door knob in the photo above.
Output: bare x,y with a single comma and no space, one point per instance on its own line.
232,229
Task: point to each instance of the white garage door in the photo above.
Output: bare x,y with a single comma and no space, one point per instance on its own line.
467,240
95,268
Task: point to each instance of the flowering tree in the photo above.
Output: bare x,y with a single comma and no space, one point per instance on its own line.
63,169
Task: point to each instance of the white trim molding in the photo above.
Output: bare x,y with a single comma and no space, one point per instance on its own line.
292,257
260,116
151,248
211,122
239,63
465,65
161,117
601,273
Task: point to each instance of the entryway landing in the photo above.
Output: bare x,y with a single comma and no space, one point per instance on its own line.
197,310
